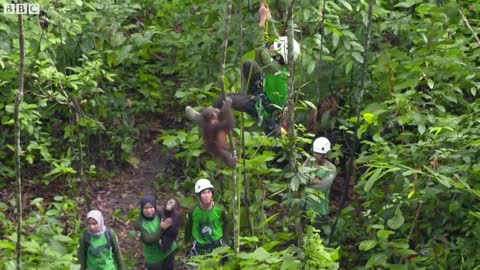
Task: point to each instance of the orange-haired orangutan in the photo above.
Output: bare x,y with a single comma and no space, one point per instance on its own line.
216,124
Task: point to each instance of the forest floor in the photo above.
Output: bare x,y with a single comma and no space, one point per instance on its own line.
124,191
117,196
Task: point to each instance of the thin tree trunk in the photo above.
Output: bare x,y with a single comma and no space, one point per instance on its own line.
291,92
236,183
83,180
292,161
18,101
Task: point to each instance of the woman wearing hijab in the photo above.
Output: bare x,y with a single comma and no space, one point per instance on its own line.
99,249
151,227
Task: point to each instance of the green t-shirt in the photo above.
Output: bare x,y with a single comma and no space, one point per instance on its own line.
99,254
207,225
152,252
276,87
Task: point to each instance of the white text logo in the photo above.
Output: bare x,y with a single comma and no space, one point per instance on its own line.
27,9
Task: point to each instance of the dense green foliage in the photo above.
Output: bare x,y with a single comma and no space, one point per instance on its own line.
97,70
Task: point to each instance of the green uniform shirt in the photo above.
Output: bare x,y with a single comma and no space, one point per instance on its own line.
207,225
99,254
152,252
276,87
313,197
275,83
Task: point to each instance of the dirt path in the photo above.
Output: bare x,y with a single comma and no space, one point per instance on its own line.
121,194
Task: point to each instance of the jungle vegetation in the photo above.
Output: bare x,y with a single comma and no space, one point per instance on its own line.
396,91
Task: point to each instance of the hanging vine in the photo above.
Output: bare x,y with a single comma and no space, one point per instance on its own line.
236,184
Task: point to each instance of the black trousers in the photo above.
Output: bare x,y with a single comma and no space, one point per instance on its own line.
166,264
252,77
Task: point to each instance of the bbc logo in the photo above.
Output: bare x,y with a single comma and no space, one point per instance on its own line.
26,8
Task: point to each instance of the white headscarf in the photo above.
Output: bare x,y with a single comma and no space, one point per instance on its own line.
97,215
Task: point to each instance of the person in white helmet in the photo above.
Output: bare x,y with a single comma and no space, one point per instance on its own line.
207,223
324,176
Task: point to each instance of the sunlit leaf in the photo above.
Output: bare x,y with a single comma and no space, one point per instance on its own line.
430,83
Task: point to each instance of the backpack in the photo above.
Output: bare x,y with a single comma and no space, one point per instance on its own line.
86,239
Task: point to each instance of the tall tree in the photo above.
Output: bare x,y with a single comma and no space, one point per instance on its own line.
18,101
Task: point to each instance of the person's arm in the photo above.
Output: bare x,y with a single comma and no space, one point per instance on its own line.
146,237
324,183
117,253
262,55
81,253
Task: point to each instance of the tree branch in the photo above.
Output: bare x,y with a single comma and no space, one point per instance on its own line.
468,25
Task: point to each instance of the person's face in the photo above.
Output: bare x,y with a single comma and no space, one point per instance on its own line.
148,210
92,225
318,157
206,196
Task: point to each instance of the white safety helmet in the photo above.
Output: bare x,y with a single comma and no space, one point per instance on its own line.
202,184
321,145
281,47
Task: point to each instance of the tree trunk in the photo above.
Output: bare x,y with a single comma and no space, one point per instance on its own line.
18,176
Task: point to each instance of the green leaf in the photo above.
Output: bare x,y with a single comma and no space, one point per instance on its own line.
348,67
397,220
268,220
36,201
310,67
377,259
310,104
335,39
370,117
430,83
421,129
3,206
358,57
473,90
408,3
124,53
374,178
383,234
346,4
367,245
7,245
31,246
62,238
169,141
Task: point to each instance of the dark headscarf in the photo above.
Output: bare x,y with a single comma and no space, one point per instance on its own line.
148,199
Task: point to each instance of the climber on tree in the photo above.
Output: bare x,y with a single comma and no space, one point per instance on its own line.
266,78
